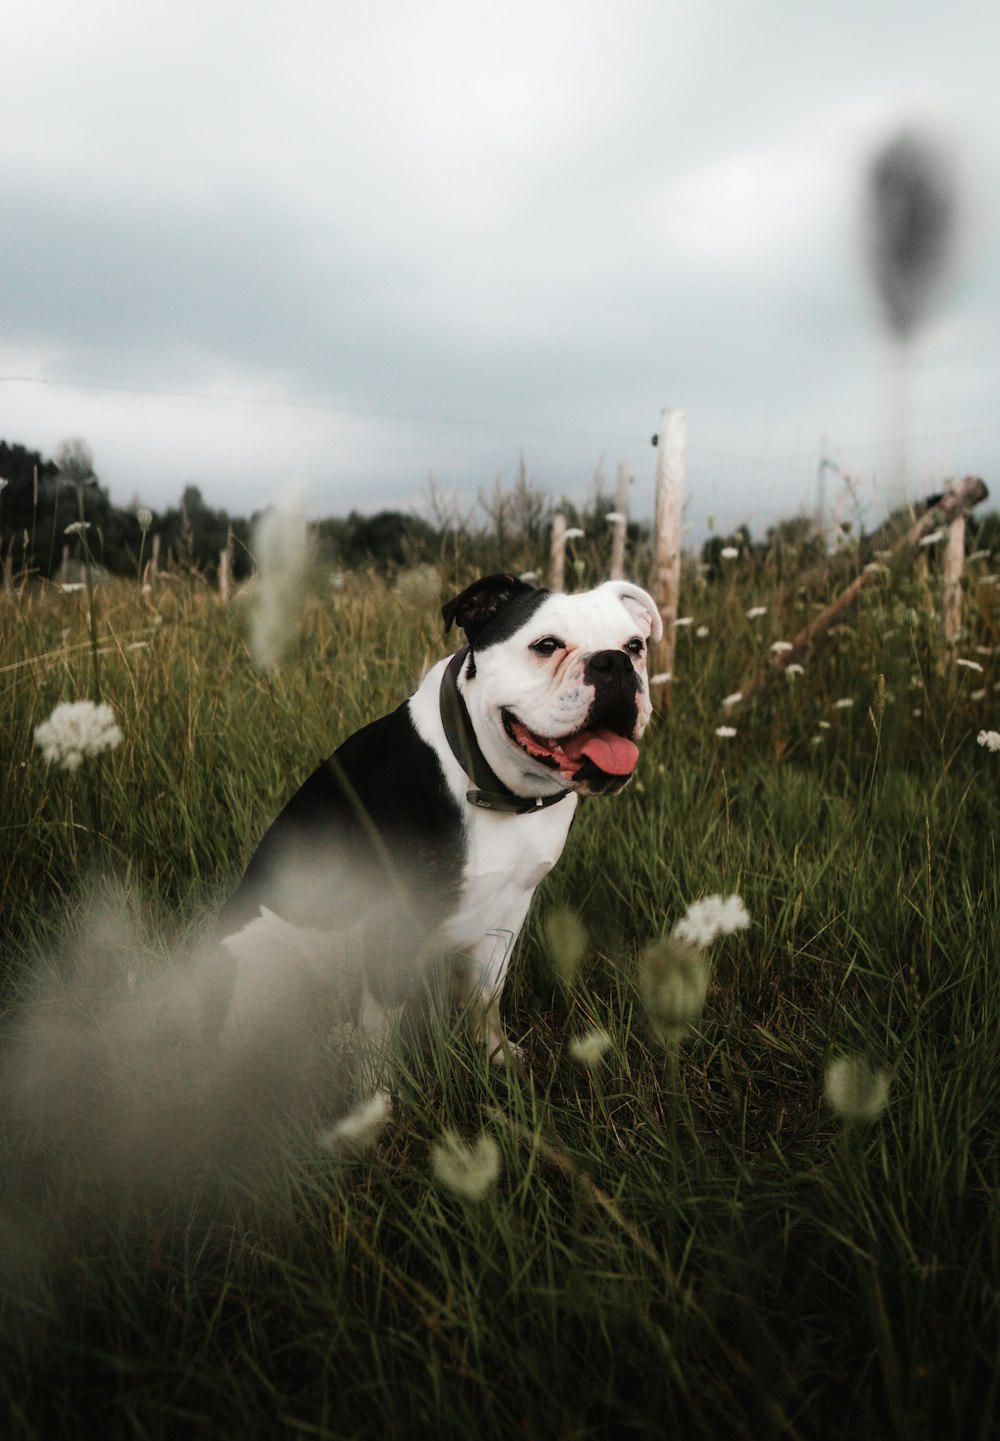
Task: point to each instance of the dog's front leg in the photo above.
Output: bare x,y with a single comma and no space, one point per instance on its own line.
486,977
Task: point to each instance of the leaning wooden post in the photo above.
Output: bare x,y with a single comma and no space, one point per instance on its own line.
557,553
951,596
666,580
946,509
619,523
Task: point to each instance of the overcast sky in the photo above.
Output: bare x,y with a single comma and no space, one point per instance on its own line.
245,245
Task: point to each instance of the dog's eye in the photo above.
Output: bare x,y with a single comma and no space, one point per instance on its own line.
635,646
548,645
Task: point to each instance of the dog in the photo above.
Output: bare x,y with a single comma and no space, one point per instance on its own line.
428,831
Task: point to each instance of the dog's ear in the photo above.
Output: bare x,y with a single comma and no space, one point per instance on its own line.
482,601
638,603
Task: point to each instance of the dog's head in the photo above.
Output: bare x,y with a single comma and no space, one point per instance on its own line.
556,685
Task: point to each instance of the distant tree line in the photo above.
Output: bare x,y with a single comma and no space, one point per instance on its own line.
506,529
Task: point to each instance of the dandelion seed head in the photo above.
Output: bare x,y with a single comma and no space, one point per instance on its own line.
855,1090
468,1171
75,730
359,1129
589,1048
145,517
567,941
281,549
674,980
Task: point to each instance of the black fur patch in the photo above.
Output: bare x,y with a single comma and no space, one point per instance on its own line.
491,601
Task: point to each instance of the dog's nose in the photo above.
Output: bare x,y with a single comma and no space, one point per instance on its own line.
606,662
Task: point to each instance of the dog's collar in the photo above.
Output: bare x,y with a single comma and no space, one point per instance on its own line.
488,791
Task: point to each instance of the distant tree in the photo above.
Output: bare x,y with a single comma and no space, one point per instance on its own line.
194,535
388,540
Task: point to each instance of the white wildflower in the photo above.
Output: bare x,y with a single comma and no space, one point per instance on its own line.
725,732
816,740
978,694
794,669
528,576
467,1171
574,533
70,587
589,1048
824,725
145,517
77,527
934,536
615,517
969,664
76,729
702,632
710,917
755,611
281,548
360,1128
684,620
729,552
661,677
844,703
780,647
732,700
989,739
855,1090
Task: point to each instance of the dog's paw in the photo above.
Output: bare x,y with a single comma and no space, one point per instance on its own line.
508,1054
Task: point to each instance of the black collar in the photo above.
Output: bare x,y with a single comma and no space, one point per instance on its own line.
489,791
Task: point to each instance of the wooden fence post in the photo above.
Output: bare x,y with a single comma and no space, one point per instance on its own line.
224,575
619,523
666,579
557,553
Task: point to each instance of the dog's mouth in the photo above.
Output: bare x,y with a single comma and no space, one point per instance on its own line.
606,744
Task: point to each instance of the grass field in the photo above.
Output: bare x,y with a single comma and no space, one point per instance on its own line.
685,1238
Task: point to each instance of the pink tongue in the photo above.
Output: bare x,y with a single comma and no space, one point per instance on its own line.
613,754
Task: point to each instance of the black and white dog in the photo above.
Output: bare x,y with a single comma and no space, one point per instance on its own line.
427,832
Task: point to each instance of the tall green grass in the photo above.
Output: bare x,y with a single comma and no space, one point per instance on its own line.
682,1241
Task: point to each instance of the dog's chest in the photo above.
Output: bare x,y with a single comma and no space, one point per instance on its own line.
506,857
